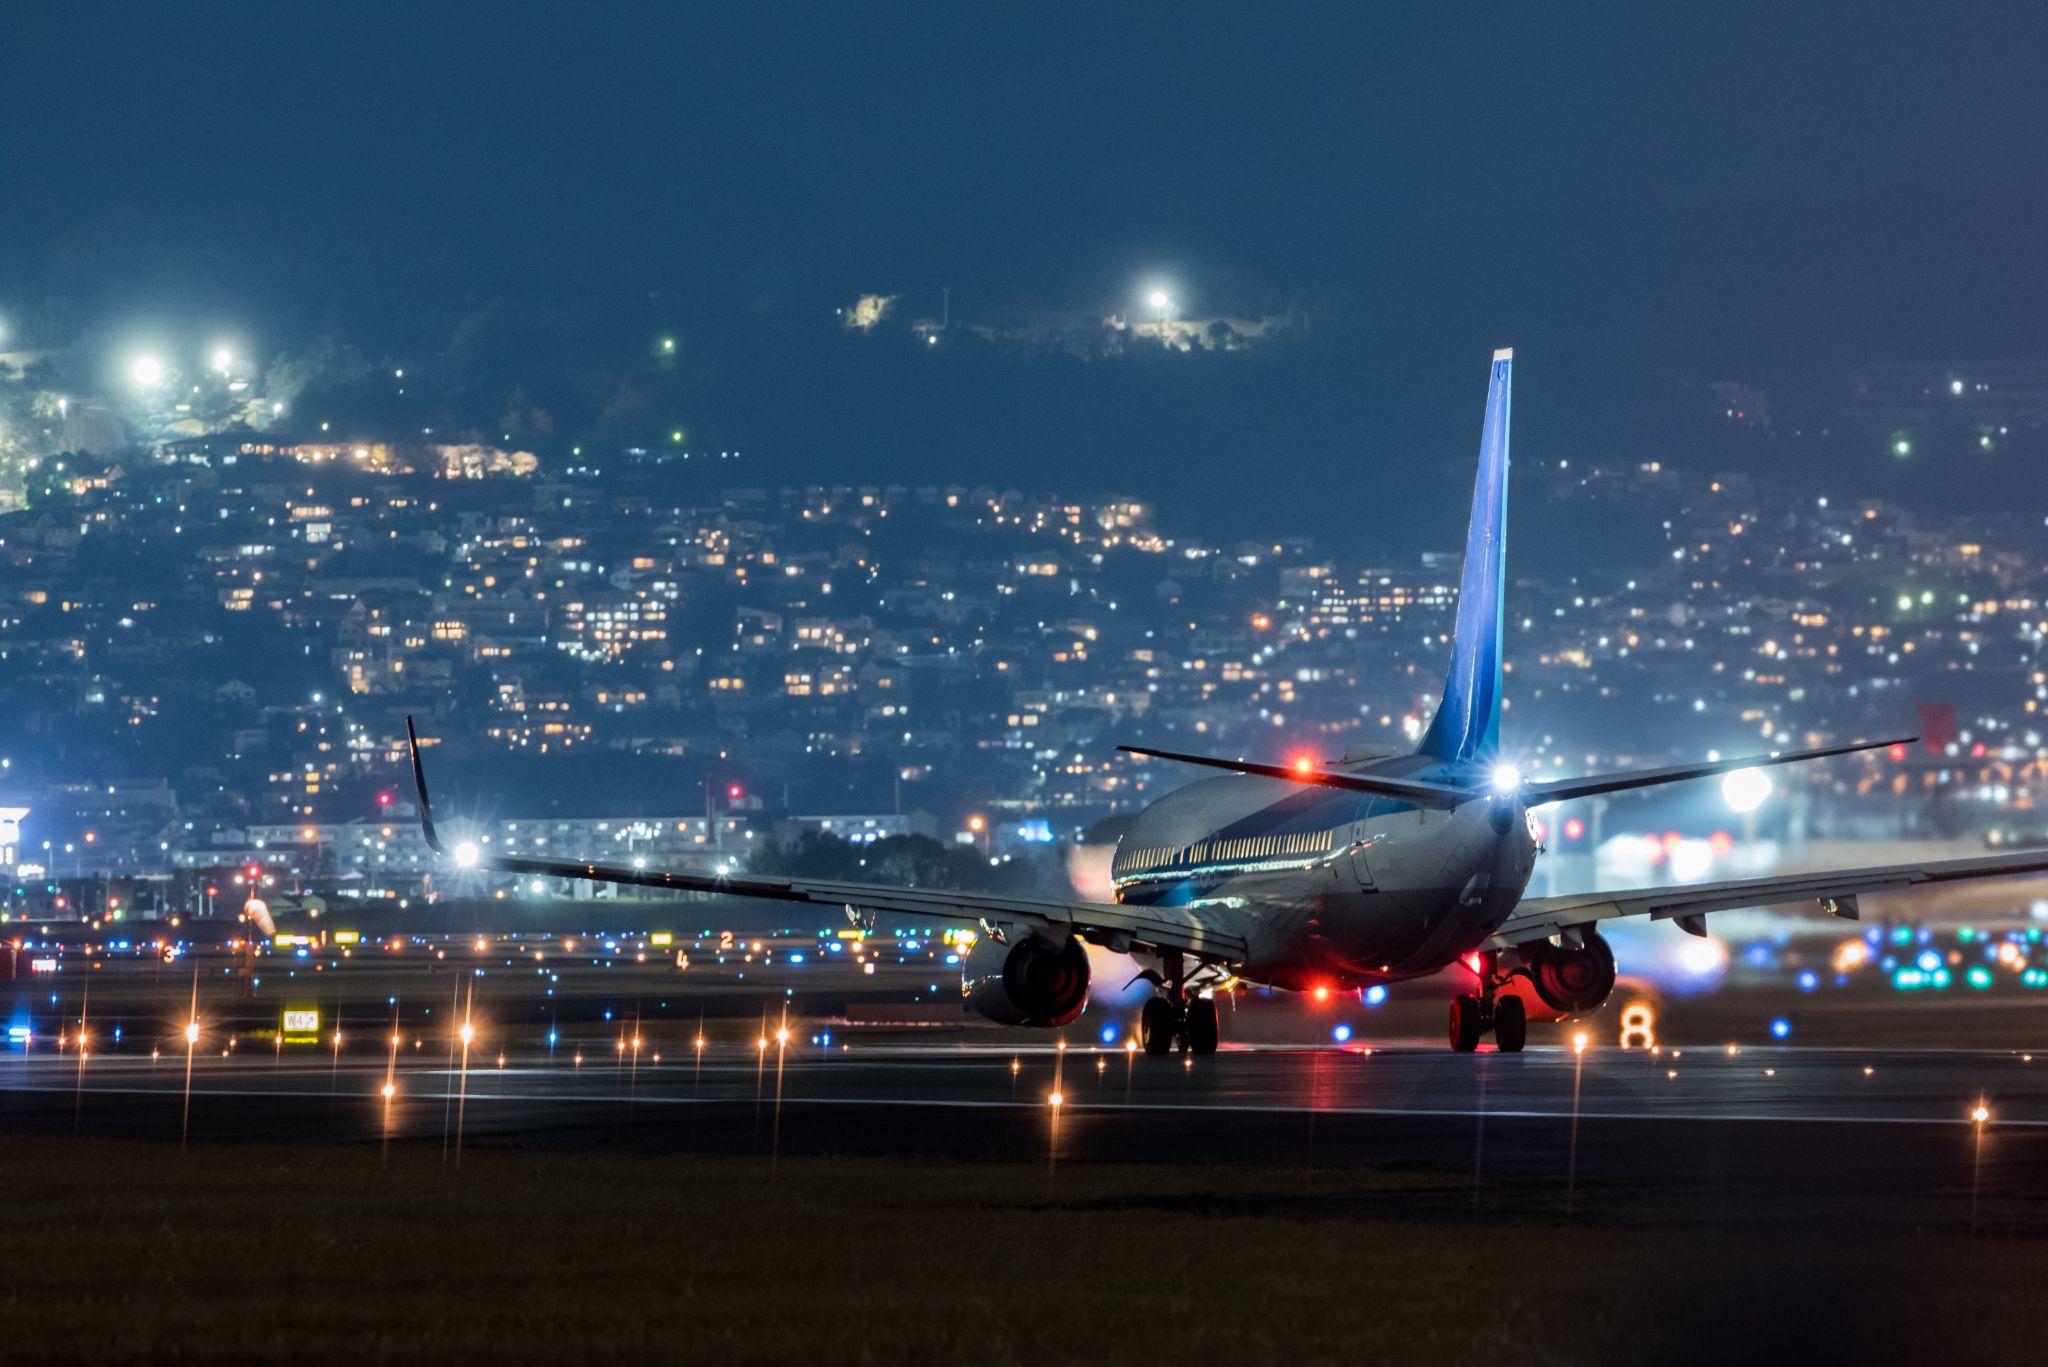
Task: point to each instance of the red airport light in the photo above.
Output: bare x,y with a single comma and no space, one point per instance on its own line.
1897,752
1573,828
733,792
384,799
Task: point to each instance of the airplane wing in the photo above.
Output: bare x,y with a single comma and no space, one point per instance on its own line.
1207,932
1836,890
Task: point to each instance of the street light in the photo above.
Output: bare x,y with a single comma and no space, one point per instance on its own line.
148,371
1745,790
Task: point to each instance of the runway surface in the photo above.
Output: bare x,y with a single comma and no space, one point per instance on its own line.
1690,1134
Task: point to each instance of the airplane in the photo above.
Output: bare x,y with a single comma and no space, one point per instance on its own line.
1324,877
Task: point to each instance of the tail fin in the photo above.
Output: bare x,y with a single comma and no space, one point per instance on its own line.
1467,722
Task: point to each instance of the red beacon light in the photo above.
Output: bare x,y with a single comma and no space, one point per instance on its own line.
384,798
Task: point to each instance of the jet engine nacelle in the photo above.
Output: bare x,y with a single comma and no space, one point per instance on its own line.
1026,983
1565,981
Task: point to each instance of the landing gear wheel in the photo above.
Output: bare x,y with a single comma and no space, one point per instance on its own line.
1202,1030
1467,1025
1510,1025
1158,1023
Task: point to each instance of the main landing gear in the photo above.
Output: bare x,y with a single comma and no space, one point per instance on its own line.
1162,1025
1473,1014
1178,1016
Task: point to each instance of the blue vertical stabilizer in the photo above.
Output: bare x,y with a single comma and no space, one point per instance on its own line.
1467,723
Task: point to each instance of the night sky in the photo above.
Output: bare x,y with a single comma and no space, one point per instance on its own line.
516,199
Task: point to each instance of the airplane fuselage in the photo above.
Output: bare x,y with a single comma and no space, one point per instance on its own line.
1332,888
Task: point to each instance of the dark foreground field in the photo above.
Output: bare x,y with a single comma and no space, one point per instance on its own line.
123,1252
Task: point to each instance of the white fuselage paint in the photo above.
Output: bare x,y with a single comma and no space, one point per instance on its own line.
1329,887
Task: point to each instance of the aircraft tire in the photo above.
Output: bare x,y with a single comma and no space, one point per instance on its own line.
1158,1023
1202,1031
1510,1025
1466,1024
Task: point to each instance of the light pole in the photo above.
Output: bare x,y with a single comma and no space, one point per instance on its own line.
1162,304
1746,790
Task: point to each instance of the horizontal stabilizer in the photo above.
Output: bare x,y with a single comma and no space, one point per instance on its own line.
1402,789
1565,789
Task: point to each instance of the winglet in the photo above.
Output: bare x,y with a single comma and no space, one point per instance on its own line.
419,783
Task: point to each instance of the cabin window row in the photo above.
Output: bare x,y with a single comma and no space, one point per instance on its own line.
1229,851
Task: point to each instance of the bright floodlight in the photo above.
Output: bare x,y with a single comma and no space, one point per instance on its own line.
191,1032
222,359
466,854
148,371
1160,300
1745,790
1506,778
